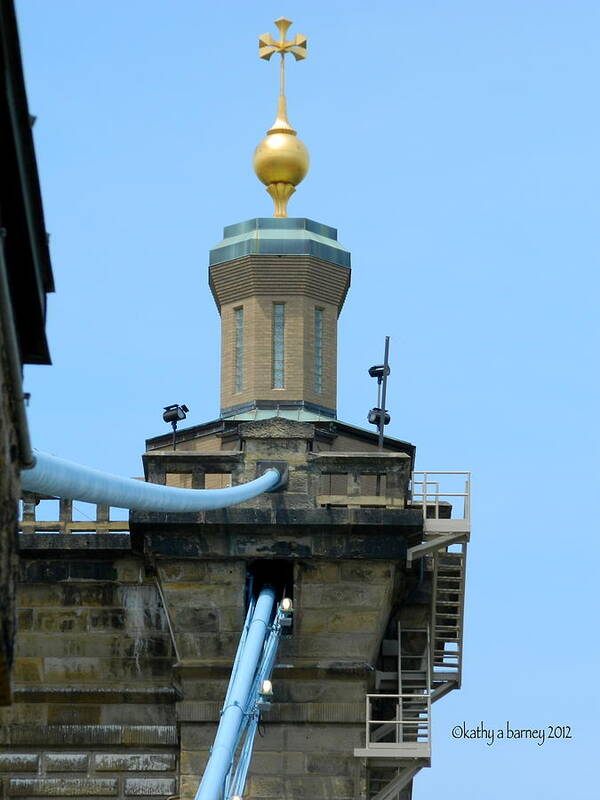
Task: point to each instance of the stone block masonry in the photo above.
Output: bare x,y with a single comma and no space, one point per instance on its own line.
291,761
88,773
94,708
125,644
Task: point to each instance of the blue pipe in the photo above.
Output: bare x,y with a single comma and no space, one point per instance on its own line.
237,781
240,650
57,477
232,716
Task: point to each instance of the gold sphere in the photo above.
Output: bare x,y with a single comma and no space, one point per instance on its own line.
281,158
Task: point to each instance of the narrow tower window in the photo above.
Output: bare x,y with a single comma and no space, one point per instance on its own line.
278,345
238,356
318,350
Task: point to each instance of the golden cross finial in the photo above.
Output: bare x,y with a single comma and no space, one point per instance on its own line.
281,160
267,46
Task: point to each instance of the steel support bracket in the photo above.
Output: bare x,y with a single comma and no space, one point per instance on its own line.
420,550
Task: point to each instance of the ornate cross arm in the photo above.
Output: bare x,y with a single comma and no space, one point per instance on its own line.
267,45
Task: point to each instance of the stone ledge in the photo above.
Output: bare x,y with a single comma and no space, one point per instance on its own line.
84,735
303,668
387,542
191,711
67,542
339,520
94,694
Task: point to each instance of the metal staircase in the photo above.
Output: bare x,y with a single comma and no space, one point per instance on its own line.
447,528
398,724
422,664
448,602
395,783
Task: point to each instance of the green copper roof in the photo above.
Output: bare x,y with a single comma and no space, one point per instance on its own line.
298,414
280,236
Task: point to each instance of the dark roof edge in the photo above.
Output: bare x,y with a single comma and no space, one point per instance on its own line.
225,426
17,80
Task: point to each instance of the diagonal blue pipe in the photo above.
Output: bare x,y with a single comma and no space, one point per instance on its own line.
232,716
57,477
237,780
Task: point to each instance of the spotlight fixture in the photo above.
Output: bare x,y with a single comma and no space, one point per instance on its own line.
287,607
378,371
174,414
374,417
265,694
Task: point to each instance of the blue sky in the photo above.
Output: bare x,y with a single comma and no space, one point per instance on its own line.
455,147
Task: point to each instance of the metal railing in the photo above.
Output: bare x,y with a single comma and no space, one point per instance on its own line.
400,723
447,500
64,510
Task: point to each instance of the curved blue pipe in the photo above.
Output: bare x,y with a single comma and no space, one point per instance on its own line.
57,477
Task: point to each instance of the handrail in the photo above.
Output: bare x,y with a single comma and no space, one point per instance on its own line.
58,477
410,723
430,495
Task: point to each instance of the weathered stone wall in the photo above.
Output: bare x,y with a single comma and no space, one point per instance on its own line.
89,621
317,715
347,574
303,760
94,710
125,644
90,771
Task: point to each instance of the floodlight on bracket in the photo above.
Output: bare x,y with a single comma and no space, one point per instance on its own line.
174,414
